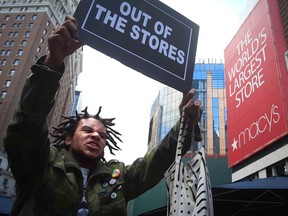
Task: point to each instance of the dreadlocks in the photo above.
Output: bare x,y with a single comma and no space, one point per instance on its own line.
69,125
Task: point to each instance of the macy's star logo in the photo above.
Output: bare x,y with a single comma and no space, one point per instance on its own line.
234,145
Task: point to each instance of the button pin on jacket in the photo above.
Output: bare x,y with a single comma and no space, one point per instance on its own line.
104,184
113,195
115,173
118,188
112,181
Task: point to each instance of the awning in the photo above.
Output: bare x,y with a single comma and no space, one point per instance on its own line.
265,196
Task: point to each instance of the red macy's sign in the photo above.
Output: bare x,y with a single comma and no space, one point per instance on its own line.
254,66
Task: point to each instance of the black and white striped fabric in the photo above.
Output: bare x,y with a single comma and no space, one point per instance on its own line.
188,185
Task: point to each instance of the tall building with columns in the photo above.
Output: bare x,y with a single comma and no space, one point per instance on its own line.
24,28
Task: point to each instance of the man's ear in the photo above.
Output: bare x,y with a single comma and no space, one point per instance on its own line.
68,140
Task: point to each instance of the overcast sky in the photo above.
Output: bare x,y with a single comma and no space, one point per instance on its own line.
128,95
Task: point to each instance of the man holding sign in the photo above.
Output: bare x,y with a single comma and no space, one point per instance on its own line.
72,177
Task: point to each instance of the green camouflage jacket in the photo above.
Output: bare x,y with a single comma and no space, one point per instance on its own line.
49,181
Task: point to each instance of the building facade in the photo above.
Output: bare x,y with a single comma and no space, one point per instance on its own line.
256,93
24,29
7,181
209,82
77,103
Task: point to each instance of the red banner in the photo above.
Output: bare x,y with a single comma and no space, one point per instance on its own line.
255,83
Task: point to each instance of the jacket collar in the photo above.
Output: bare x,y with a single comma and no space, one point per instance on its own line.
66,161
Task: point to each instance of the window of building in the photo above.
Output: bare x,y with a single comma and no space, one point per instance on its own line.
7,83
3,52
24,43
215,111
7,17
48,23
269,172
16,33
27,34
38,49
8,52
3,94
280,168
16,62
0,72
12,72
30,25
14,25
20,52
3,63
5,182
18,17
12,43
19,25
42,40
34,17
3,26
252,176
7,43
10,34
45,31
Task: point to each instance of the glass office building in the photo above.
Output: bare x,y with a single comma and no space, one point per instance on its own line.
208,80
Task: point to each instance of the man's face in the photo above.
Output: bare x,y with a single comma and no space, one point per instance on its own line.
88,143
